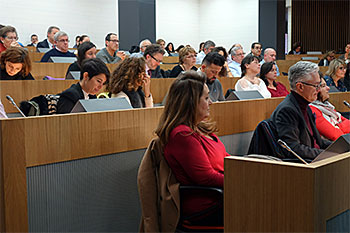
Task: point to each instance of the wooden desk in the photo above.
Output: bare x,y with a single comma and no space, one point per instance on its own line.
298,57
172,59
269,196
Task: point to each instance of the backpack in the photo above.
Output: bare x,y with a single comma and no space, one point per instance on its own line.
40,105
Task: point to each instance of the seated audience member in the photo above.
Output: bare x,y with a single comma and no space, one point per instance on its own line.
143,45
177,50
94,74
187,61
256,49
270,56
8,38
225,70
330,123
327,58
201,47
293,119
2,111
346,55
127,80
60,49
250,69
194,153
50,41
297,49
268,74
15,64
154,56
211,66
161,43
34,40
86,50
77,39
336,71
207,48
84,38
110,54
170,49
237,56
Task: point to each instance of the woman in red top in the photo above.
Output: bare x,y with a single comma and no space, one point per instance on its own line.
194,153
268,73
329,122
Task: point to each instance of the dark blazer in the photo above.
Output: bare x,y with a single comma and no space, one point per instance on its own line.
43,44
289,123
70,97
157,73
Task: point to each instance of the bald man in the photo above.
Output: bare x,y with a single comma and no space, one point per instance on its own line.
270,56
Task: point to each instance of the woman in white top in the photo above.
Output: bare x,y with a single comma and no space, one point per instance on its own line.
127,80
2,111
250,69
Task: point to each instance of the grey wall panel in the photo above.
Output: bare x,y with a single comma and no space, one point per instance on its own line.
89,195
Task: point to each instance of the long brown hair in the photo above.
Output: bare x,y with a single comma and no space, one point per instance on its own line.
127,75
181,104
17,55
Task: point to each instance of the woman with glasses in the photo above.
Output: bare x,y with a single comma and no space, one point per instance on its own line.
249,82
15,64
8,38
334,74
187,61
268,73
330,123
127,80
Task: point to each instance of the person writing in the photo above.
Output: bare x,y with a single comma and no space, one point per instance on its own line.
15,64
194,153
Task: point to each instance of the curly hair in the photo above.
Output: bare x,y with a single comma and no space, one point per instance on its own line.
127,75
16,55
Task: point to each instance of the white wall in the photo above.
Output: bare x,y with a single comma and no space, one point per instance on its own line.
75,17
224,21
178,22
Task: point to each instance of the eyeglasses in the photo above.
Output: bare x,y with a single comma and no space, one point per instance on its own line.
114,41
323,85
258,48
12,38
63,41
313,85
155,58
240,54
342,68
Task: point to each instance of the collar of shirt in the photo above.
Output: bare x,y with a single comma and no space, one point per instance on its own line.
86,95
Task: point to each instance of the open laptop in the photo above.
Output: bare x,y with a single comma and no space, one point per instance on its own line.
99,105
244,95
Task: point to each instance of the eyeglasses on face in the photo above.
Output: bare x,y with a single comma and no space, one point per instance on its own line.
342,68
240,54
155,58
312,85
12,38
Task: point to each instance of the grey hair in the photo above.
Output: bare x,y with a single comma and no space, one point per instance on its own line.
208,44
59,34
145,40
301,71
234,50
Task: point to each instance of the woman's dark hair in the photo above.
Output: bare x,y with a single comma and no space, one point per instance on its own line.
266,68
223,71
172,48
181,104
296,45
93,67
82,50
247,60
200,47
180,47
16,55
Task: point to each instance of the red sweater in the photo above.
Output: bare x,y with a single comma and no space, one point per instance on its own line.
195,160
281,90
326,129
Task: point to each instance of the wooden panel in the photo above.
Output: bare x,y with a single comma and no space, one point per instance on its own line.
321,25
25,90
298,57
159,88
14,175
171,59
55,70
35,56
337,100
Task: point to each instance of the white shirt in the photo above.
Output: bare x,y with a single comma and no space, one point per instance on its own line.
200,57
235,68
2,111
248,86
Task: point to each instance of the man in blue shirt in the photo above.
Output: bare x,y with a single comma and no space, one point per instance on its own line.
60,47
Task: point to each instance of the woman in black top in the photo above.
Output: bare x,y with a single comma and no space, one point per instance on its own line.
187,61
15,64
86,50
170,48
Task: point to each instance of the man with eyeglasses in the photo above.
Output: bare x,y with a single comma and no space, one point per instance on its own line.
143,45
293,119
110,53
154,56
256,49
237,56
49,42
270,56
60,47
